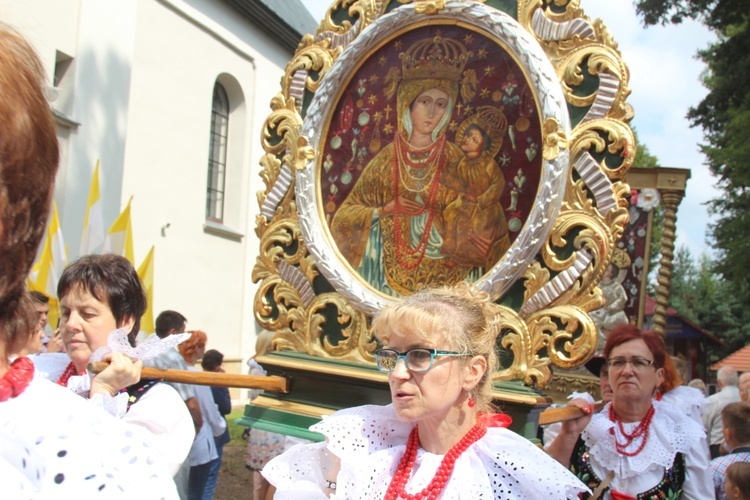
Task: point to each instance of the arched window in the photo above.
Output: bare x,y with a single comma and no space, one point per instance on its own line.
217,155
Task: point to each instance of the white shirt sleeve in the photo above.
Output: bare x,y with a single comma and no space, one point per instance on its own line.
162,413
698,483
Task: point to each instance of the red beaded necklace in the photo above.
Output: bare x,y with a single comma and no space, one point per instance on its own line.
401,213
641,430
70,371
397,488
16,379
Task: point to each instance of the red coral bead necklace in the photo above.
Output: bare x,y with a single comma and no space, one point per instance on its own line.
641,430
397,488
17,378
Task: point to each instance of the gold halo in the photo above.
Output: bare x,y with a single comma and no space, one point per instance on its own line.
490,119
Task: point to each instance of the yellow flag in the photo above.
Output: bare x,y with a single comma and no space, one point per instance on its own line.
146,273
93,223
119,239
48,269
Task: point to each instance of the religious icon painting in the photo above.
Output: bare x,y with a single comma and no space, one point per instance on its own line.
436,158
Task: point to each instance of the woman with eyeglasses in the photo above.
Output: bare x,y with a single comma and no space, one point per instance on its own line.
639,446
439,438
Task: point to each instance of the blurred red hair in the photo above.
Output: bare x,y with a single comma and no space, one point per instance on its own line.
196,341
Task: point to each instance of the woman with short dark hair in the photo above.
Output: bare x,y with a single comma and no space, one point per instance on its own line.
100,294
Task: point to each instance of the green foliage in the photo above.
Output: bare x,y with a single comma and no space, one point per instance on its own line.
724,116
699,294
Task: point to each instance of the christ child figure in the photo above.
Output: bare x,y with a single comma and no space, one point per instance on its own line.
476,231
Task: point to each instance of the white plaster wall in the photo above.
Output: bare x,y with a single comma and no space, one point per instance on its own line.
143,82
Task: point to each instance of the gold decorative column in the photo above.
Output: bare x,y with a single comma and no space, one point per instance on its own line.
671,201
671,184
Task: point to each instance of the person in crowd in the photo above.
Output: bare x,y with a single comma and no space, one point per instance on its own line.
213,362
689,400
728,393
170,323
699,384
744,386
638,445
34,344
203,454
53,444
735,419
53,343
41,304
738,481
262,446
440,432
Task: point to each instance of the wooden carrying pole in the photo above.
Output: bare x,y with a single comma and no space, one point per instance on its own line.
552,415
270,383
281,384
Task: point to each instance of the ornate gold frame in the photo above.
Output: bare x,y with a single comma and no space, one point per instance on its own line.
545,308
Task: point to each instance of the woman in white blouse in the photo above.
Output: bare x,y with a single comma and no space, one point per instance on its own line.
638,446
440,438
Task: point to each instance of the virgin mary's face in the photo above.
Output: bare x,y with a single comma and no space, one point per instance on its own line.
427,110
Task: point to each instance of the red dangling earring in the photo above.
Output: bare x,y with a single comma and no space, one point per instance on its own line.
471,400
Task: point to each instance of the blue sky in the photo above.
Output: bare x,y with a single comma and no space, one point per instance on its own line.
665,82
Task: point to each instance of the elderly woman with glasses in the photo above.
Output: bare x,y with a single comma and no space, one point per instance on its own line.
439,437
638,446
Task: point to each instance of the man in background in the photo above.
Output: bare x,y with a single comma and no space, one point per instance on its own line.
728,393
41,304
166,324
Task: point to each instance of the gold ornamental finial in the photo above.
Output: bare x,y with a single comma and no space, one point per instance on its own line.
428,7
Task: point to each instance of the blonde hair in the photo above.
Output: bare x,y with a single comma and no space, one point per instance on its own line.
263,344
466,318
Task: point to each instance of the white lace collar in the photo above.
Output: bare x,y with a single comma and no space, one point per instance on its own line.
671,432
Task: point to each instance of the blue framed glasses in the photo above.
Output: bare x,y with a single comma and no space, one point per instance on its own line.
417,360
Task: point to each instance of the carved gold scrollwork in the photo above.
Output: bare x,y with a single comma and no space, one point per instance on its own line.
356,345
566,347
526,9
281,132
310,56
365,11
595,59
606,135
299,327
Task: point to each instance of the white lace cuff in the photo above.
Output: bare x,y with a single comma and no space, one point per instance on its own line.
149,348
116,406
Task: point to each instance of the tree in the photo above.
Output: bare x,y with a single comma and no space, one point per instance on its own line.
724,116
702,296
